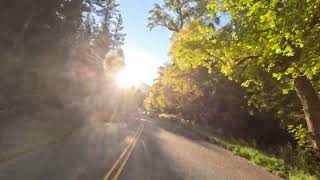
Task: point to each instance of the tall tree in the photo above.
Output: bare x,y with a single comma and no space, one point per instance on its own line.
49,47
174,14
199,96
277,38
109,10
117,33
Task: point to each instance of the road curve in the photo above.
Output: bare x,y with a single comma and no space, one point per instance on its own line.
164,150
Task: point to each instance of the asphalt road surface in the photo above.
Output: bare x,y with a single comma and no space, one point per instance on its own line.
151,150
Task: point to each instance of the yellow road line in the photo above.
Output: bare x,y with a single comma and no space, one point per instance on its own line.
121,156
107,176
127,158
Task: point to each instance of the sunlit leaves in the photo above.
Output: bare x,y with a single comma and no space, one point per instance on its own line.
195,93
175,14
264,46
300,133
282,34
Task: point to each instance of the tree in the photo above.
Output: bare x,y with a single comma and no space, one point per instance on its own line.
275,38
199,96
49,47
109,11
117,32
174,14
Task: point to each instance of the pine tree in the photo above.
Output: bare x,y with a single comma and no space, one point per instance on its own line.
117,33
109,10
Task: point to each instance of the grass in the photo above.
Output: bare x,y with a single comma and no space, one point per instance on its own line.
267,161
272,162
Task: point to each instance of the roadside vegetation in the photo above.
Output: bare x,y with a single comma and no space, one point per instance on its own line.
248,70
285,161
58,63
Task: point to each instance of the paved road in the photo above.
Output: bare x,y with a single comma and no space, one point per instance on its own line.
164,150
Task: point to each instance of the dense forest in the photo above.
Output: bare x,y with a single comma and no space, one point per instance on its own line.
49,47
249,68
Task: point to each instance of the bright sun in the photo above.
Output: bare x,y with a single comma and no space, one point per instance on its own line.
140,68
127,78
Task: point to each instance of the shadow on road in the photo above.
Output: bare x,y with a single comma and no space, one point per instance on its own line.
86,154
149,161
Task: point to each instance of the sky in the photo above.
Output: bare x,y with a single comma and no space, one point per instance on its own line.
144,50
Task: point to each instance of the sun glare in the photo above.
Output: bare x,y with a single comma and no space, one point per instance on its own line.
126,79
139,69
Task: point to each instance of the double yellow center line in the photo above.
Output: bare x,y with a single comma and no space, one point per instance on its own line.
123,158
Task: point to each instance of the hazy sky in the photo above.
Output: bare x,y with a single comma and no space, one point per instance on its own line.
143,47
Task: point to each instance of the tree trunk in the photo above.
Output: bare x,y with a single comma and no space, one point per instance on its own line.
311,107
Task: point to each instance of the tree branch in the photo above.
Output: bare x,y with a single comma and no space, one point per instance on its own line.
241,60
